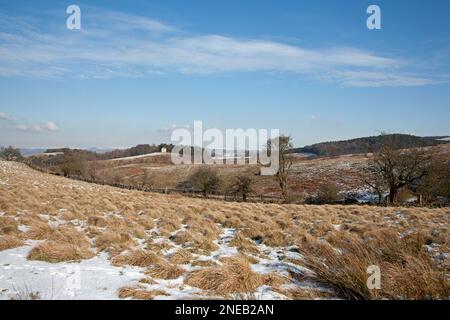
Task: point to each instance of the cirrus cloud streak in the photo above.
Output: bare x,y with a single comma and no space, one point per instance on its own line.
113,44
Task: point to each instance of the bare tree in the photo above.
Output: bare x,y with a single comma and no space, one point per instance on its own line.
242,185
147,180
396,168
284,145
435,187
205,179
73,165
93,171
371,177
10,154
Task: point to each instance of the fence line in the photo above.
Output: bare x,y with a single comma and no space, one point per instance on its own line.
185,192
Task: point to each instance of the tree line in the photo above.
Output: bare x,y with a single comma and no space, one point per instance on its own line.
138,150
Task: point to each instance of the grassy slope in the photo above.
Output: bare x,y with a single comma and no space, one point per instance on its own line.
75,218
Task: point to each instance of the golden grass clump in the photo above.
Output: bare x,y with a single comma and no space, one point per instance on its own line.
146,221
148,281
303,294
199,243
204,246
8,225
97,221
235,276
273,279
407,271
204,263
204,226
167,225
140,293
39,230
53,252
138,231
164,270
157,246
71,215
243,244
275,238
9,242
181,256
183,238
69,235
138,258
114,242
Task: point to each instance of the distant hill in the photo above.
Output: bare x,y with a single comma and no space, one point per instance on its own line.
102,154
369,144
31,151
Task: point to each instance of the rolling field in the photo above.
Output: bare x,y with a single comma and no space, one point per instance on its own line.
307,175
61,238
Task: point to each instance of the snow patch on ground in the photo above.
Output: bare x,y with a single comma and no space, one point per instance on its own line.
93,279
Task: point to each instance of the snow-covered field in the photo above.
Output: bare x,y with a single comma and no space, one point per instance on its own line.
88,279
97,279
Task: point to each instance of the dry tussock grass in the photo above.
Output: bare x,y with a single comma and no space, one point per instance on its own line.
39,230
70,215
138,258
243,244
204,263
203,246
54,252
181,256
275,238
168,225
303,294
8,225
158,246
114,218
274,280
69,235
407,271
149,281
235,276
146,221
164,270
140,293
198,243
113,242
183,238
9,242
97,221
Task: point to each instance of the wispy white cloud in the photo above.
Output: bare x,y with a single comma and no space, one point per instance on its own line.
313,118
15,124
113,44
23,127
51,126
127,22
4,116
48,127
167,131
380,79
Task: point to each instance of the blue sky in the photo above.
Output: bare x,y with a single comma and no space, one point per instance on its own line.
136,69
